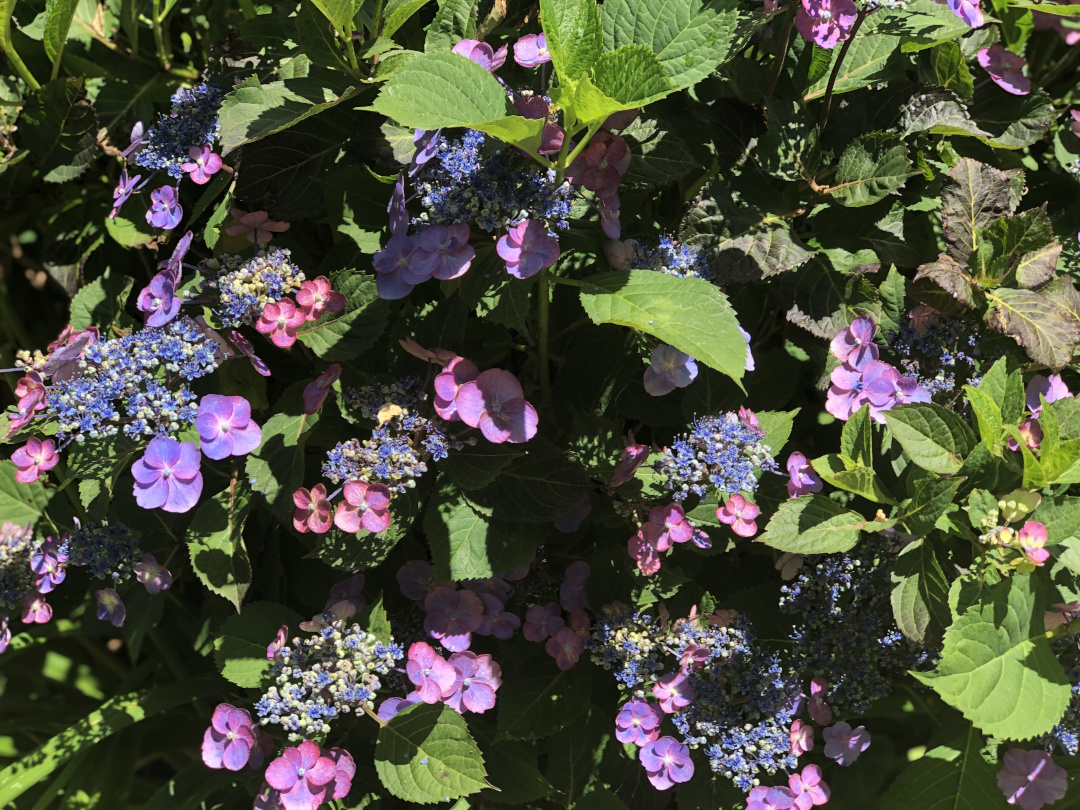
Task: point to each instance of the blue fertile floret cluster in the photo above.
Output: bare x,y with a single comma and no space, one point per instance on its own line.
192,122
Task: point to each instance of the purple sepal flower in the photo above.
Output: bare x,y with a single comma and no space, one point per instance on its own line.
1005,68
629,460
452,616
770,798
481,53
168,475
1031,779
855,345
275,646
674,691
802,478
669,369
395,274
123,191
844,744
1052,388
48,565
110,607
154,577
572,594
638,722
225,427
968,11
34,458
158,300
478,679
165,211
749,355
808,788
229,740
826,22
531,51
391,706
427,143
246,349
542,622
494,402
667,762
204,164
37,611
5,633
443,252
527,248
303,776
138,141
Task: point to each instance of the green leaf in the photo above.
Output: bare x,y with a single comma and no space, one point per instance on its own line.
59,127
340,13
215,540
951,69
457,534
872,167
1047,331
241,641
789,149
442,90
542,486
1062,462
452,23
624,79
21,503
58,17
114,715
920,596
478,465
1012,122
100,458
777,427
857,439
574,36
252,111
872,58
997,667
348,334
276,467
949,777
1061,516
932,437
539,705
101,301
815,525
514,772
987,416
845,474
975,196
398,13
932,497
688,313
425,755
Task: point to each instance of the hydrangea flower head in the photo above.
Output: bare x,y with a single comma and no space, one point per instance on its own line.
667,762
638,722
35,610
826,23
845,744
802,737
168,476
35,457
229,740
316,298
739,514
396,272
669,369
1006,69
802,480
366,505
225,427
1031,779
164,211
494,402
527,248
531,51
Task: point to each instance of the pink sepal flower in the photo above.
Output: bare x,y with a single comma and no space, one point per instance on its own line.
673,691
316,298
494,402
366,505
34,458
316,391
256,226
280,320
1006,69
739,514
313,511
845,744
1031,779
566,647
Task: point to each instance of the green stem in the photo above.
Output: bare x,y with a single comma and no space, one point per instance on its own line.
1060,66
544,292
570,282
836,69
781,48
159,35
9,49
565,160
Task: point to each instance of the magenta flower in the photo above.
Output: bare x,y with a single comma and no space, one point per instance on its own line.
303,776
1074,125
844,744
167,476
204,164
158,300
631,458
855,345
880,388
816,706
452,616
366,505
34,458
600,167
225,427
344,771
395,267
845,395
674,691
313,511
30,389
229,740
165,211
644,553
638,722
531,51
481,53
669,369
280,320
808,788
802,737
431,674
494,402
1032,539
968,11
527,248
316,391
739,514
315,298
256,226
770,798
1051,388
478,678
802,478
572,595
48,564
154,577
416,579
566,647
447,384
110,607
826,22
667,762
248,351
667,525
1031,779
275,646
1005,68
542,622
123,191
443,252
35,610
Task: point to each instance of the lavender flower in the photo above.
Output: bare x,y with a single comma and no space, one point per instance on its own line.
165,211
225,427
667,762
168,476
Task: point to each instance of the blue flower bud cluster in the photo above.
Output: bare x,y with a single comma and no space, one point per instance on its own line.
400,446
16,578
846,632
948,347
245,286
464,182
721,452
106,550
668,256
1066,734
192,121
132,382
629,643
333,672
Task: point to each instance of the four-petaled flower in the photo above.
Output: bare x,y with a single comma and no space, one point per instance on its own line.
632,457
315,297
667,762
600,167
1005,68
123,191
817,707
366,505
452,616
638,722
478,678
168,476
542,622
494,402
37,611
801,737
669,369
566,647
229,740
34,458
739,514
443,252
225,427
280,320
674,691
1031,778
770,798
431,674
855,345
826,22
153,576
527,248
256,226
303,776
531,51
204,164
110,607
844,744
158,300
164,211
808,789
313,511
802,480
447,384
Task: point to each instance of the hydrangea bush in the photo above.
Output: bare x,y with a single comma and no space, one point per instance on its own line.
600,406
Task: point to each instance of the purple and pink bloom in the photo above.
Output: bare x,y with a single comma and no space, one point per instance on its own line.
168,476
669,369
1031,779
1005,68
225,427
364,505
34,458
667,762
